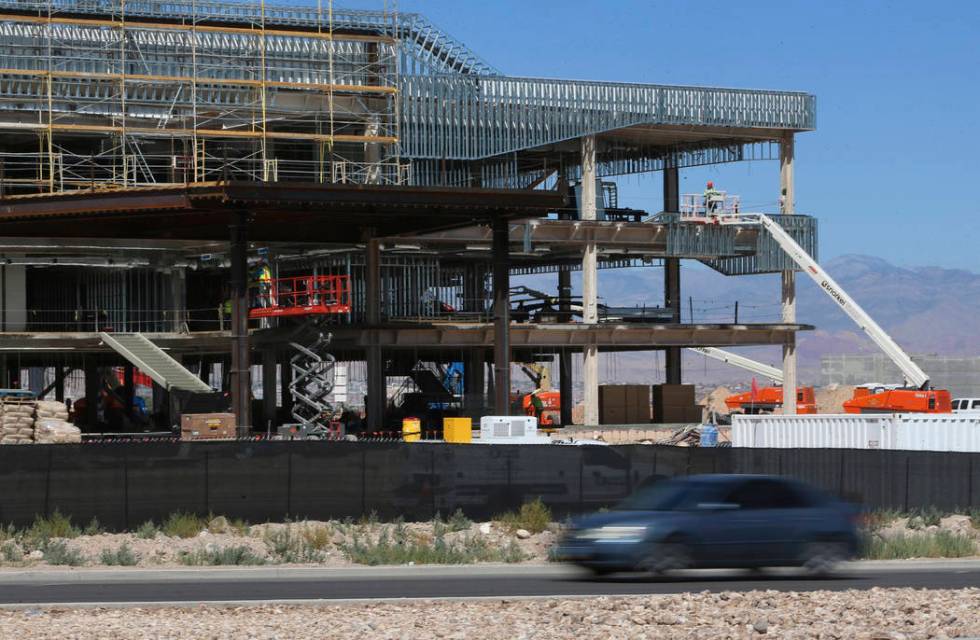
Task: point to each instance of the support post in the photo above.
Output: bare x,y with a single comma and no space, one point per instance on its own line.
565,356
59,383
590,284
240,356
474,381
672,278
91,394
286,379
501,316
269,380
377,392
129,388
787,200
178,293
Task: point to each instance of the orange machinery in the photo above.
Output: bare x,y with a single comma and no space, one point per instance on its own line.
550,410
767,399
876,399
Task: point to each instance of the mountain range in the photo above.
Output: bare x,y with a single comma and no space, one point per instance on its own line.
927,310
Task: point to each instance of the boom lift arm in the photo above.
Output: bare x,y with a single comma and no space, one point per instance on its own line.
913,374
742,362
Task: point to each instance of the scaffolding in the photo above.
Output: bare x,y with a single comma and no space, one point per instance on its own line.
109,99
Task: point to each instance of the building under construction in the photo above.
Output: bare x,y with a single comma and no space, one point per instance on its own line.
226,202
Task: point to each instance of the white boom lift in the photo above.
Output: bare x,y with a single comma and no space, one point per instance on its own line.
742,362
914,376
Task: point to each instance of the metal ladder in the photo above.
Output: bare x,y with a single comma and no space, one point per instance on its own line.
312,381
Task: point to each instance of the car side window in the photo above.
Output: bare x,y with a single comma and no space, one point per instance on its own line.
766,494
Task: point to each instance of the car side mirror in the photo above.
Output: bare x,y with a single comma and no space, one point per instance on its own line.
717,506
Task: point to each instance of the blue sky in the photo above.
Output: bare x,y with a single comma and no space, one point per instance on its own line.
897,86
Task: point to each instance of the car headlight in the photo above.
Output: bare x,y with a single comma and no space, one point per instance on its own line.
614,532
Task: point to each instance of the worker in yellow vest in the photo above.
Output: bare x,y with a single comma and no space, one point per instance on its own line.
262,281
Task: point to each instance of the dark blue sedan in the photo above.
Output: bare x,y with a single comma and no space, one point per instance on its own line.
716,521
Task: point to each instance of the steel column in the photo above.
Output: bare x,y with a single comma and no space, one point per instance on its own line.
377,392
269,400
92,394
474,381
565,356
129,389
59,383
241,383
787,200
501,317
672,279
590,284
286,379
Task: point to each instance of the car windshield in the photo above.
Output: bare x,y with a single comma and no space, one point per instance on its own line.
670,495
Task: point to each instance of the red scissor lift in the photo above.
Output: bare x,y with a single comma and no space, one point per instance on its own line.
302,296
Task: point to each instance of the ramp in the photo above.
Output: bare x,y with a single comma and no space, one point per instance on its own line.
154,362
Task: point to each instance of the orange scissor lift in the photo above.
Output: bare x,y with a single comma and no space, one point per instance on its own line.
303,296
310,297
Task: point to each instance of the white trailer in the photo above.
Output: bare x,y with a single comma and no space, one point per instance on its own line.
905,431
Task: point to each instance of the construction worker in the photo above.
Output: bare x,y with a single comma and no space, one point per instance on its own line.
224,311
712,198
262,282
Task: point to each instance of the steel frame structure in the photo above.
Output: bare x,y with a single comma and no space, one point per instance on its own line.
148,92
123,100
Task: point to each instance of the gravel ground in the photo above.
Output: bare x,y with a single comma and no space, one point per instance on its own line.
880,614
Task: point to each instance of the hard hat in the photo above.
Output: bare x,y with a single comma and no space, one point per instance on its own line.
711,184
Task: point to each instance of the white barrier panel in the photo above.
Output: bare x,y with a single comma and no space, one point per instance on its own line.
906,431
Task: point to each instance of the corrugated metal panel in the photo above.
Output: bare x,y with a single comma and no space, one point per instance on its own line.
951,433
906,431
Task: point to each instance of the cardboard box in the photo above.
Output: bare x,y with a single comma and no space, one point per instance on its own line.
207,426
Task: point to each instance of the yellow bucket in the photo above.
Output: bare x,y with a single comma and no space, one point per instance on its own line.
458,430
411,429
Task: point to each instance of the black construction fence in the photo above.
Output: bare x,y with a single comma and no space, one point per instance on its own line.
125,484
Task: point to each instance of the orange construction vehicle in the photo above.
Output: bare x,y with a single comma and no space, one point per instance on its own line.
915,394
886,399
542,403
768,399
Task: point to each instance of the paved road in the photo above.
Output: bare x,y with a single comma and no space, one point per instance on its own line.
279,585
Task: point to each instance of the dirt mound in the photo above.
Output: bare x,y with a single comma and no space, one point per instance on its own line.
831,399
715,401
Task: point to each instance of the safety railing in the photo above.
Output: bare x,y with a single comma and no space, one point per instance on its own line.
302,296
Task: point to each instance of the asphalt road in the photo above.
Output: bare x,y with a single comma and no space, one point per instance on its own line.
244,585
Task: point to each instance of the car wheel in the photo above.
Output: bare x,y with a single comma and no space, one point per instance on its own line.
824,558
665,557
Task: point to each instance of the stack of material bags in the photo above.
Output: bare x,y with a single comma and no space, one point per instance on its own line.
52,426
16,421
